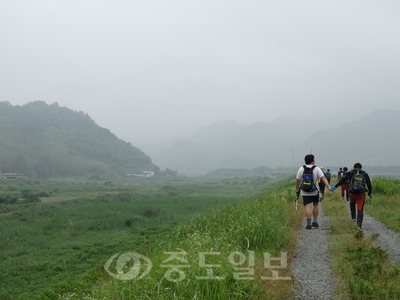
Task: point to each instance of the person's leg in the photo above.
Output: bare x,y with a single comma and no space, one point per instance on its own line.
360,210
353,210
315,210
308,209
343,189
353,202
315,214
308,206
360,218
346,192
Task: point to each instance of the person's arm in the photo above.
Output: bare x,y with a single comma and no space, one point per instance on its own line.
298,179
343,180
369,185
297,185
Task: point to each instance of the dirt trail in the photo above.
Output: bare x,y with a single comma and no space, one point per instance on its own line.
311,266
387,239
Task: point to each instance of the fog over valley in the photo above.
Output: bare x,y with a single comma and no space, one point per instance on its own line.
203,85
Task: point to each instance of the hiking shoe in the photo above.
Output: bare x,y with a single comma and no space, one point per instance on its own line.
354,220
315,224
308,227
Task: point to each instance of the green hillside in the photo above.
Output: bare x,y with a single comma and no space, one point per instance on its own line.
42,140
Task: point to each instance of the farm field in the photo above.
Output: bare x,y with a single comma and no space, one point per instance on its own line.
74,227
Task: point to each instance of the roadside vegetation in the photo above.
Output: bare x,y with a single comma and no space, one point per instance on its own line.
56,247
196,238
235,240
386,205
362,268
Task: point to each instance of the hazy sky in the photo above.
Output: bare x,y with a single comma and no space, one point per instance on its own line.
149,70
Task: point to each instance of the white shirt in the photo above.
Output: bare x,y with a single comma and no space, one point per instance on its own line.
317,173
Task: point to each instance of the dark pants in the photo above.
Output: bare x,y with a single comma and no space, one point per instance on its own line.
357,201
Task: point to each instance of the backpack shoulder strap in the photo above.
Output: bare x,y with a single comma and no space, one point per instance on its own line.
352,174
312,168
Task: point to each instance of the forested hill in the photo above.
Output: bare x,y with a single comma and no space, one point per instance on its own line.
44,140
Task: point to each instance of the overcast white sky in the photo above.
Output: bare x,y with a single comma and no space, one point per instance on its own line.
149,70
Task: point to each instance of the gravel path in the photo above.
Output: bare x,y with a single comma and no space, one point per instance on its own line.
312,265
387,238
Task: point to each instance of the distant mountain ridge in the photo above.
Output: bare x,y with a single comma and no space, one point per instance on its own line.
284,142
372,140
44,140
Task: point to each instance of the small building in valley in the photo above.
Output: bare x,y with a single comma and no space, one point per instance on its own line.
13,176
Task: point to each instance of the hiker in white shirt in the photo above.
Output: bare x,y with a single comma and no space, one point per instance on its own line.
311,196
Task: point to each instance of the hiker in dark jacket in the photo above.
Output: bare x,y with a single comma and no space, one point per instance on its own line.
357,198
345,184
340,173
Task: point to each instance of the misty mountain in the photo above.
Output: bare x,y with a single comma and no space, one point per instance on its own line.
284,142
226,144
371,140
48,140
206,135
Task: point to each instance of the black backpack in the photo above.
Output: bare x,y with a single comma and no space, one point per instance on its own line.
358,183
307,182
344,175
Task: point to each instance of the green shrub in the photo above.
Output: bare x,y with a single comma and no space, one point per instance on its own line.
150,212
8,199
29,197
372,277
390,187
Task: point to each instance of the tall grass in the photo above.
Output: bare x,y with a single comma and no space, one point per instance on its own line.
371,276
385,202
227,238
389,187
48,247
256,224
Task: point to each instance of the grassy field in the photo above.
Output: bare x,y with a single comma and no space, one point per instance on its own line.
362,269
196,238
385,207
235,240
61,242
